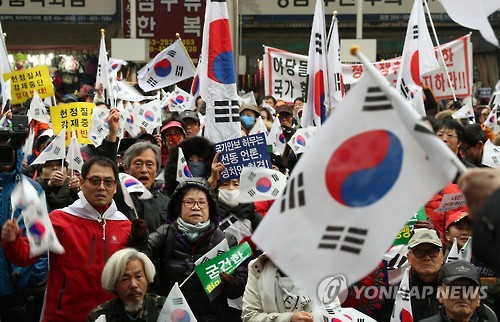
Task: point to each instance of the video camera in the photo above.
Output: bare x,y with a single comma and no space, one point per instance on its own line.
12,140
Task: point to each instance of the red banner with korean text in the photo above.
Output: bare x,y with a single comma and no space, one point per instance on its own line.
286,77
160,20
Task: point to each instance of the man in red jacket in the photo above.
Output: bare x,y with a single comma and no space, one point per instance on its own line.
90,230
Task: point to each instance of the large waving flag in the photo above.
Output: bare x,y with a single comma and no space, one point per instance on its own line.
355,187
102,76
37,110
317,97
183,172
74,155
176,307
217,76
41,235
418,57
473,15
258,184
170,66
402,305
335,79
56,150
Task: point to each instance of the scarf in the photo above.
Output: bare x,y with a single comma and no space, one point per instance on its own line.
279,294
192,232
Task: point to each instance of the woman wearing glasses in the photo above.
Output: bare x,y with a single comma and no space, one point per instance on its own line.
192,230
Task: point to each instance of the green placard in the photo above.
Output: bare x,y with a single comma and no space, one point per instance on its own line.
403,236
209,271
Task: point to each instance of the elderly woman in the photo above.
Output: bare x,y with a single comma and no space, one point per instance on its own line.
127,275
190,232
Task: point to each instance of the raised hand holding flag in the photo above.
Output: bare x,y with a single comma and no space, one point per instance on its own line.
56,150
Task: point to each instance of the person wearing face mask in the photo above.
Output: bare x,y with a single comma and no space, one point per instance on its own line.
248,114
239,221
172,133
199,153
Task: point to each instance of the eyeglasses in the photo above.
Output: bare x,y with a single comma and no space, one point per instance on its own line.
189,203
96,182
448,136
420,253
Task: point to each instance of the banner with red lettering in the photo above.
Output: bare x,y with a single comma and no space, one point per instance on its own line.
285,73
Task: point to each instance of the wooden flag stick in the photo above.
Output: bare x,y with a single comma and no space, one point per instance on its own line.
179,37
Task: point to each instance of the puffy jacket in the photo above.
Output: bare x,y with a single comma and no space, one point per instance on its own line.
31,275
74,283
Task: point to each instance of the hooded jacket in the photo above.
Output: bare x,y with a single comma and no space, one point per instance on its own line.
89,239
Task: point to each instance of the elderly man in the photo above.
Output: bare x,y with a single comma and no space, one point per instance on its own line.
142,160
127,275
191,122
459,295
425,258
90,230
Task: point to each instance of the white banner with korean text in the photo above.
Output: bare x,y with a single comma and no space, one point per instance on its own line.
285,73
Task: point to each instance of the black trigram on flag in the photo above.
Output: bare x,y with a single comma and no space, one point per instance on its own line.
318,47
177,301
350,241
226,111
57,150
397,262
275,177
338,83
151,81
403,88
37,112
251,192
183,159
231,220
78,160
172,53
376,100
144,123
405,293
179,70
415,32
251,176
294,194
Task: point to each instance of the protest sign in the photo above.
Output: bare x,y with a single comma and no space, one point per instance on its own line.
451,201
209,271
248,151
24,82
75,116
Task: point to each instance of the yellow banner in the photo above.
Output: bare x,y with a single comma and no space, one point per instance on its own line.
24,82
75,116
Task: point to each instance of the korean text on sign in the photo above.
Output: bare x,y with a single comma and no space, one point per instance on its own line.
75,116
24,82
248,151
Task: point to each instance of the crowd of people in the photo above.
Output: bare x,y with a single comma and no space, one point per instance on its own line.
122,261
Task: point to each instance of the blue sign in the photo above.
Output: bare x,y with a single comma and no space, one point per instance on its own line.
248,151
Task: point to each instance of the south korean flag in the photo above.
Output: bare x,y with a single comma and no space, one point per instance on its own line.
257,184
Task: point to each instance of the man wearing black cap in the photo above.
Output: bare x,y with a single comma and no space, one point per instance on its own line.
191,122
459,295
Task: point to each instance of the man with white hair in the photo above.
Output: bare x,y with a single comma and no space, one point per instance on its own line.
127,275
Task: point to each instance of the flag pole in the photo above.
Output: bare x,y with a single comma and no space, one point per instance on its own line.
334,17
182,44
184,282
386,87
440,51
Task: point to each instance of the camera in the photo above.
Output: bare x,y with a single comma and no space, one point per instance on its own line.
12,140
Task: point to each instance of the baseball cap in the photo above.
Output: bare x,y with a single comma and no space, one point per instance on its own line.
456,217
91,93
173,124
424,236
284,109
189,115
457,269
